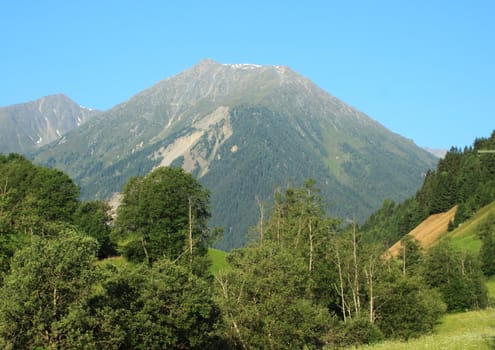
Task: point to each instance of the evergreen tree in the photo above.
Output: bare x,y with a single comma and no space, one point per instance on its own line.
486,232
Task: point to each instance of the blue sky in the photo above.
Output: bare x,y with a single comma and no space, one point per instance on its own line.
424,69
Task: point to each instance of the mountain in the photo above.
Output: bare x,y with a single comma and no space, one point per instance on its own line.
244,130
439,153
30,125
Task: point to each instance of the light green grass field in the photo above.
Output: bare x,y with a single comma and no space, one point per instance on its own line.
218,259
474,330
462,331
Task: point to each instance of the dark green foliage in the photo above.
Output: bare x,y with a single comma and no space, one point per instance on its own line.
267,303
163,307
48,279
486,232
458,277
93,218
408,308
410,256
33,201
158,212
34,195
356,332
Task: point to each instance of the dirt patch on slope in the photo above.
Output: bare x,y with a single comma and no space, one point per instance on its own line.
429,231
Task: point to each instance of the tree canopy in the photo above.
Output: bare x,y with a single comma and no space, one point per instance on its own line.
163,214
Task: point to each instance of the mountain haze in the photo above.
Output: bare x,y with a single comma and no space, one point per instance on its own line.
30,125
244,130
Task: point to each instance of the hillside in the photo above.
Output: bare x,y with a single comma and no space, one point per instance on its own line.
31,125
463,178
244,131
429,231
465,236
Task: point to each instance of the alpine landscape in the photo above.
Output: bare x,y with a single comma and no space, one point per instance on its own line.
239,206
262,175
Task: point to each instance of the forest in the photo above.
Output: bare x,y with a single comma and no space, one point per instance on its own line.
76,275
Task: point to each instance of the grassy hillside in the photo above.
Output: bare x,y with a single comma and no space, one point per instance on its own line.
465,236
434,229
467,330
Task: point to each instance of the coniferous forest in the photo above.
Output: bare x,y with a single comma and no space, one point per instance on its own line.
75,275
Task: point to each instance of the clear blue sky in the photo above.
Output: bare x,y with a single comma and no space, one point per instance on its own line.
425,69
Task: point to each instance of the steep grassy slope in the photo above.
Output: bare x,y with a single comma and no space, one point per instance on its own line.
430,231
465,236
434,229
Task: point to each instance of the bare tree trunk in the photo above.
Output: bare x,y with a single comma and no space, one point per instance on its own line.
190,232
279,218
223,285
370,272
55,297
262,218
341,280
356,272
310,246
143,244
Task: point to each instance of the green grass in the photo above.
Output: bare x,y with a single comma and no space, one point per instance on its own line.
466,330
463,331
218,258
114,260
465,236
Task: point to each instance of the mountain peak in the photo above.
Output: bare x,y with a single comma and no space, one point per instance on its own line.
243,129
30,125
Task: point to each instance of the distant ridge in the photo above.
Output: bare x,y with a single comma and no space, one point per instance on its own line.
439,153
28,126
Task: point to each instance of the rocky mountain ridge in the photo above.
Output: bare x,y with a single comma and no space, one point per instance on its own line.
31,125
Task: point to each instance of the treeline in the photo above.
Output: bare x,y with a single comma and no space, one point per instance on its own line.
463,177
75,277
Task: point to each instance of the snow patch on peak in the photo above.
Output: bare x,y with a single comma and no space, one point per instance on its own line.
243,66
86,108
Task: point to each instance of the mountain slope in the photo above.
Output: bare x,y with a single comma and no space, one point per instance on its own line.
27,126
244,130
463,178
429,232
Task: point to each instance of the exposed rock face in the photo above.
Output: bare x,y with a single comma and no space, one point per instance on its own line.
30,125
